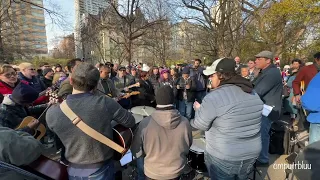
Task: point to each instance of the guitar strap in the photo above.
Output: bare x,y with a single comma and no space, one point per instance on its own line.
77,121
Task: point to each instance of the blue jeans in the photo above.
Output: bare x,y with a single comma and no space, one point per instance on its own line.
140,168
314,133
185,108
105,172
265,139
228,170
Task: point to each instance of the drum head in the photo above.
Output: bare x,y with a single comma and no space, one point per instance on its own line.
137,117
143,110
198,146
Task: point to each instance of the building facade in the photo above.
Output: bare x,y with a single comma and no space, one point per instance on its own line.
82,9
23,30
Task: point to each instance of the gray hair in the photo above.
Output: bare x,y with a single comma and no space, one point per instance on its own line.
85,77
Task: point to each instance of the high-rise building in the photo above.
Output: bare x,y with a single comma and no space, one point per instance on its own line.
23,28
82,8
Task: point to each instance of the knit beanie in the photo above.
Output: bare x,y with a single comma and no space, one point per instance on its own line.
186,70
46,71
164,95
24,94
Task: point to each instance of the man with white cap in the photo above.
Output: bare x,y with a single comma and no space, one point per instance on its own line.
231,116
269,86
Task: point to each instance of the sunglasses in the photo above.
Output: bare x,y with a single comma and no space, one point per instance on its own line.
31,69
10,74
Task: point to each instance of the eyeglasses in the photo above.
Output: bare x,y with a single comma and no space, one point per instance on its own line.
31,69
122,70
10,74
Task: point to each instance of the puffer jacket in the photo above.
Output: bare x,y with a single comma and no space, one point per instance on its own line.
164,138
12,114
17,148
121,83
310,100
231,118
37,84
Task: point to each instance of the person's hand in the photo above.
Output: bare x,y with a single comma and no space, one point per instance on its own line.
187,86
298,98
33,124
178,86
126,89
196,105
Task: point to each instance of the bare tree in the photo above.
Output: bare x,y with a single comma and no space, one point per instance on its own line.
13,38
65,48
220,24
130,23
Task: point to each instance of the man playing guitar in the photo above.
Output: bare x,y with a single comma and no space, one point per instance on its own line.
87,157
14,107
105,85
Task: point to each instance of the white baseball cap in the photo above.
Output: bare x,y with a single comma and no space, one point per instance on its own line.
220,65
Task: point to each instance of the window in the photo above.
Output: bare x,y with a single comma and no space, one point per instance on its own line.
37,1
40,46
39,33
37,21
42,40
36,7
24,19
39,27
37,14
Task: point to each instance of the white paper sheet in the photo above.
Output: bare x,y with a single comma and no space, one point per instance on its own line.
127,158
267,110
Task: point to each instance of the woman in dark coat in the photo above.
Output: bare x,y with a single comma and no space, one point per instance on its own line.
146,96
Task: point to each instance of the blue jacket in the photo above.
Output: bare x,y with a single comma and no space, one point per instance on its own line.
311,100
34,82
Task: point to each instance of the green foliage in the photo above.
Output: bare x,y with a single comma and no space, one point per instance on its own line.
174,62
38,60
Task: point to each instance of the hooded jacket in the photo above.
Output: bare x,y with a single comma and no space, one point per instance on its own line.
17,148
12,114
164,138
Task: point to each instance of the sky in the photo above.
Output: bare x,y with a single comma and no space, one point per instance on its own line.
55,29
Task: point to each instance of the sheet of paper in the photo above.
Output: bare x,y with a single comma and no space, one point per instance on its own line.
127,158
266,110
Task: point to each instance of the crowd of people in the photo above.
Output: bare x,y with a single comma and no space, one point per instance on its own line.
225,100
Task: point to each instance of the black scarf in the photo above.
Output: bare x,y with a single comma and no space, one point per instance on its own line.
241,82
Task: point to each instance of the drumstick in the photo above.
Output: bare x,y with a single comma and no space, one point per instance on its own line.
145,112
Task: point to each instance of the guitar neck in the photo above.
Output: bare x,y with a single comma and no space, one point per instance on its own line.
43,113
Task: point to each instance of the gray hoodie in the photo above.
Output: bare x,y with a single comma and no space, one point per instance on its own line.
164,138
17,148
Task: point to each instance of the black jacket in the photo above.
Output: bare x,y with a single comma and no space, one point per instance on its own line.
191,93
146,94
34,82
269,87
46,82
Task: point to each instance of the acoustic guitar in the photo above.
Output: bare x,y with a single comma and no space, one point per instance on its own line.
40,130
302,89
133,85
122,136
47,169
127,95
